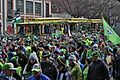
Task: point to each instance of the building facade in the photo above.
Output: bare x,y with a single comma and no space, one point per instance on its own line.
27,8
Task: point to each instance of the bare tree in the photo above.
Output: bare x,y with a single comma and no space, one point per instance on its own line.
75,8
104,7
89,8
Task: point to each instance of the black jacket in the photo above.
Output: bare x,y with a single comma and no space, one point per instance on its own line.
117,63
49,69
98,71
64,74
116,67
22,60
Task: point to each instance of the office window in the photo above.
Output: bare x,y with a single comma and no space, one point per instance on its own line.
38,8
20,5
47,9
55,8
9,9
29,7
10,5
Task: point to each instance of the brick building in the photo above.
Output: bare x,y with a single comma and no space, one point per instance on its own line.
27,8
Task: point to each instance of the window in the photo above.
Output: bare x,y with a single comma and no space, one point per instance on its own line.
38,8
29,7
54,8
20,5
9,11
47,9
10,5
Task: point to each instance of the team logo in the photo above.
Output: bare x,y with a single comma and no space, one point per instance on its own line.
109,31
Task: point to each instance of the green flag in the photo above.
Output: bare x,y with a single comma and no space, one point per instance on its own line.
110,33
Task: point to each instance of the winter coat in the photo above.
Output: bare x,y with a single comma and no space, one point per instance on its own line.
22,59
98,71
117,67
64,75
89,53
76,72
85,73
28,67
5,77
83,57
42,77
49,69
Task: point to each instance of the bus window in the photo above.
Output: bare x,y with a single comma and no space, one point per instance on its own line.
36,30
27,29
21,30
46,28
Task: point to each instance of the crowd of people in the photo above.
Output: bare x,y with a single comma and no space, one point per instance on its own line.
87,56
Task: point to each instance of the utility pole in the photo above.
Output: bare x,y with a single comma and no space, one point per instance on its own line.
3,16
43,1
0,32
16,13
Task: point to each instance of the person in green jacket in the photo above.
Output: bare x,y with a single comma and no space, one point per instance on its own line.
75,69
86,67
1,66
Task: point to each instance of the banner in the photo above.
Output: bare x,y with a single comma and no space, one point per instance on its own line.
110,33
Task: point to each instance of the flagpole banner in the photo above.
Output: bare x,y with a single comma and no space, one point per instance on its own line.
110,34
18,18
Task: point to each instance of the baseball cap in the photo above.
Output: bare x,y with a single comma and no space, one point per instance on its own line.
9,66
73,58
95,46
36,67
95,54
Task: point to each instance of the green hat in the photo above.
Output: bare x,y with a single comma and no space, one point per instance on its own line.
15,59
95,54
61,61
8,66
63,51
36,67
